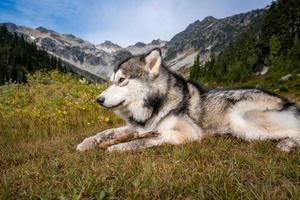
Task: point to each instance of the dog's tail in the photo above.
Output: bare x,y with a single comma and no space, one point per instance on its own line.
296,112
292,110
290,106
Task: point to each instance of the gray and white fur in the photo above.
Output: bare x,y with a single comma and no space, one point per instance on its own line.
150,97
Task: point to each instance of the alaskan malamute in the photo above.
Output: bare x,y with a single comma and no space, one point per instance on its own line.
153,99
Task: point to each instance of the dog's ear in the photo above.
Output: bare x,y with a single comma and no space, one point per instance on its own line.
153,62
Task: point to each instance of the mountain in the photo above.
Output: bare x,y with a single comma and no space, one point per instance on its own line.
268,57
206,37
18,57
108,47
82,56
72,50
141,47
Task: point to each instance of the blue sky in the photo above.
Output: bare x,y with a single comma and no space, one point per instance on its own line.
122,21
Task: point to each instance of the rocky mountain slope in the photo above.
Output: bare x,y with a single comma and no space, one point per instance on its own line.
98,59
202,38
108,47
208,36
141,47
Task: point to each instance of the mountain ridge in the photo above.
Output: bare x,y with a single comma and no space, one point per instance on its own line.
205,37
211,35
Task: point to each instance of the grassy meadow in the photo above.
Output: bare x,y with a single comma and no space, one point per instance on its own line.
42,121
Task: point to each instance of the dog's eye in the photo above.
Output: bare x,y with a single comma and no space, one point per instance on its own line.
121,80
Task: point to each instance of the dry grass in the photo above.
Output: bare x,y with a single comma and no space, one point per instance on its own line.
42,122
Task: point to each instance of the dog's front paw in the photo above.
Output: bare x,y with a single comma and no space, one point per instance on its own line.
86,144
121,147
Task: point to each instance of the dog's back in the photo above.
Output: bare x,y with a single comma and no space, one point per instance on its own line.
245,113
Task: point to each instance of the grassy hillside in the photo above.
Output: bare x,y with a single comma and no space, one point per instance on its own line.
42,122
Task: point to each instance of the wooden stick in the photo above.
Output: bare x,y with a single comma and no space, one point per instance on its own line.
126,137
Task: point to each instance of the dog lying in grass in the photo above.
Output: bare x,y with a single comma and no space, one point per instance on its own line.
161,107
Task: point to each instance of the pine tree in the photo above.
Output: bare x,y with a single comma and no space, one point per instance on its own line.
18,57
195,71
276,45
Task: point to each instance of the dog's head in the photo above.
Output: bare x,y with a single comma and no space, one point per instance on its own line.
132,81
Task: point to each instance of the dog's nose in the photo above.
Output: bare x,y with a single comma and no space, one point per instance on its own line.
101,100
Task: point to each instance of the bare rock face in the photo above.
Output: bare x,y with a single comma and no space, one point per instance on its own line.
108,47
286,77
263,71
